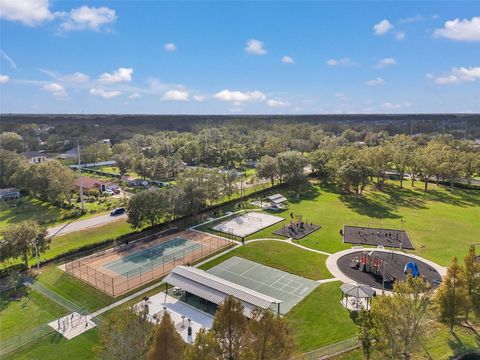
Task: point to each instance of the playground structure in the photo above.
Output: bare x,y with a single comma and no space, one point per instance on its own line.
368,262
297,228
381,268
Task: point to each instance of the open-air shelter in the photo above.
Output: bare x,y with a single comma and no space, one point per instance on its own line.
357,296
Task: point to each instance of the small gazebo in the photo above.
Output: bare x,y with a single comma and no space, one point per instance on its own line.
357,296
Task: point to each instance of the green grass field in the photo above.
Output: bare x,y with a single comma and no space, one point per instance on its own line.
29,208
320,319
29,311
281,256
442,223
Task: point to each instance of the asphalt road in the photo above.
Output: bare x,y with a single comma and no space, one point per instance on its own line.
84,224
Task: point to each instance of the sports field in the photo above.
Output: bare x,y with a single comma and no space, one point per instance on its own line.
242,225
289,288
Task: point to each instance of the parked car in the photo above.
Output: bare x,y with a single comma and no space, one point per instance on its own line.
117,211
109,192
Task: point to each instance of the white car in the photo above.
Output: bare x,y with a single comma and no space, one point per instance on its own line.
109,192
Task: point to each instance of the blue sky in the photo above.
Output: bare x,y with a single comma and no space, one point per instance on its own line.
239,57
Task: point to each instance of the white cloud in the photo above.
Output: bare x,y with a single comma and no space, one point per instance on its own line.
375,82
461,30
28,12
385,62
4,79
120,75
382,27
339,62
8,59
457,76
389,105
239,97
255,47
288,60
77,77
105,94
411,19
199,98
88,18
176,95
135,95
276,103
55,89
400,35
170,47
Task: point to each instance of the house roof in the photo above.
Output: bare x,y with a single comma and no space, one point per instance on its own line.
8,191
216,289
33,154
277,198
89,182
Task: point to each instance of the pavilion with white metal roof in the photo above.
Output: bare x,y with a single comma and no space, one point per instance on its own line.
216,289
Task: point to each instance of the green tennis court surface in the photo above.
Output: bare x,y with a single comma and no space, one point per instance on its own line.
289,288
153,257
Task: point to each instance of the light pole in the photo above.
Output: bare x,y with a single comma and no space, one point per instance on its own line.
36,255
80,177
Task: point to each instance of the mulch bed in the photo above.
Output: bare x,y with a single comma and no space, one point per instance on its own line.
394,268
377,236
297,234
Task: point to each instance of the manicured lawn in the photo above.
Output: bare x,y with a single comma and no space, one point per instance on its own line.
29,208
55,346
77,239
442,223
320,319
73,289
281,256
31,310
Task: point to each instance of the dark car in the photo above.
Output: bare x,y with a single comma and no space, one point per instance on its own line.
117,211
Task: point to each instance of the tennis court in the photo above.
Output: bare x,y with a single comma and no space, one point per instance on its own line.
155,256
124,267
289,288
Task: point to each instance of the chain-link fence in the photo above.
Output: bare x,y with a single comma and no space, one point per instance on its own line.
91,268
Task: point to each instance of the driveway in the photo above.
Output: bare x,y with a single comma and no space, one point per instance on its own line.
84,224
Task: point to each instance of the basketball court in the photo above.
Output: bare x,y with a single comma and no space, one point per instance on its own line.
242,225
289,288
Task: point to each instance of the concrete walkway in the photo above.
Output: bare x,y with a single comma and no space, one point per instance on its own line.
79,225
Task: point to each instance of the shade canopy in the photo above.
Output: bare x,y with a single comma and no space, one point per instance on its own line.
357,291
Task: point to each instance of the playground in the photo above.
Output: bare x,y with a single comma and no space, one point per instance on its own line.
377,237
297,228
245,224
383,268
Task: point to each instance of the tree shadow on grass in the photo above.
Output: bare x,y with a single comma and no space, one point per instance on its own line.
399,197
455,196
370,207
458,347
308,192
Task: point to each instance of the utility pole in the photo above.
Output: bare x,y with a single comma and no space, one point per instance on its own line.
36,255
80,177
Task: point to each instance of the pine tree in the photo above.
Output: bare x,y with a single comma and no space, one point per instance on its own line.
270,337
451,296
205,347
230,329
472,282
366,332
167,342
